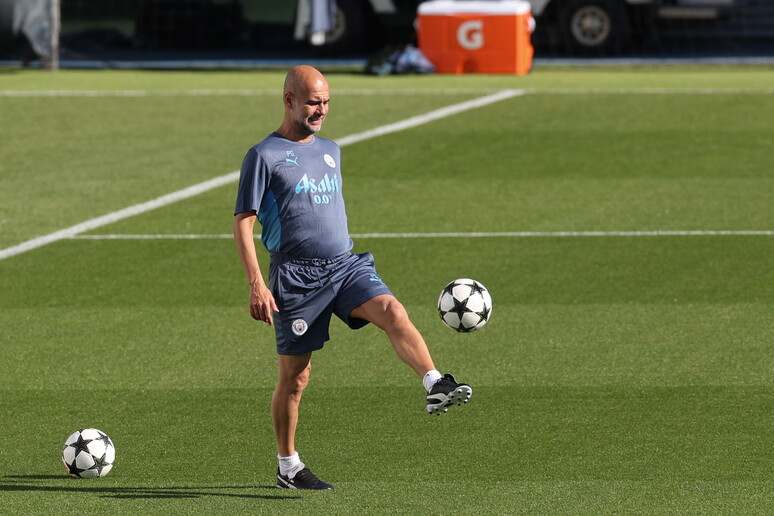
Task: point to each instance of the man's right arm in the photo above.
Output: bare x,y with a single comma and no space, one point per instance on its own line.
262,302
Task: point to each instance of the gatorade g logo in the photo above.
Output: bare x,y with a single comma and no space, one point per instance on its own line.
470,34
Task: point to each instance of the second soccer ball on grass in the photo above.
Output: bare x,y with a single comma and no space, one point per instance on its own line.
88,453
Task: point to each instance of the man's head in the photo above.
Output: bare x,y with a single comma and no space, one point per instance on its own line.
305,97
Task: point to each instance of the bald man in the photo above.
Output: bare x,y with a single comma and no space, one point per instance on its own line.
291,182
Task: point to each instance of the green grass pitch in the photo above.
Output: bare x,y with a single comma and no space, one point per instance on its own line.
618,375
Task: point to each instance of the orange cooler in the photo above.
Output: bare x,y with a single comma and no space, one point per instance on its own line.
477,37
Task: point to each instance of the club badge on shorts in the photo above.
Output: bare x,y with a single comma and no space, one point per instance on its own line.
300,327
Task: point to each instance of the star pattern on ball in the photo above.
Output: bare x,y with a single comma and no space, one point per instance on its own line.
484,314
81,445
105,439
74,470
460,307
100,463
476,288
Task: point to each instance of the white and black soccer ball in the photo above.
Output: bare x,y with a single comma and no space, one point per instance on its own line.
465,305
88,453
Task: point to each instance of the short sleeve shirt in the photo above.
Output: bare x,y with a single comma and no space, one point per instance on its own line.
295,189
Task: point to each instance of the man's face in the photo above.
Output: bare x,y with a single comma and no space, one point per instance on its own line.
310,107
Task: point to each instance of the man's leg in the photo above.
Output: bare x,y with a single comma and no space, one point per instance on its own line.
294,371
388,313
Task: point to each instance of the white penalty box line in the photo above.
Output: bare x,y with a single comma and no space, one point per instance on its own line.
231,177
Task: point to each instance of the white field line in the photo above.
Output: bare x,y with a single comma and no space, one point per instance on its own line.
653,91
118,215
197,189
508,234
377,92
137,93
234,93
429,117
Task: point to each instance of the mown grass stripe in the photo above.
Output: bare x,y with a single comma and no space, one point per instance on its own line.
511,234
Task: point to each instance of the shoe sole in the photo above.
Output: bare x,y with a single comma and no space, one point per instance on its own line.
458,396
281,484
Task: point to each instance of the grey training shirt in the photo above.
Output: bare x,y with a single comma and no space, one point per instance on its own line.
295,188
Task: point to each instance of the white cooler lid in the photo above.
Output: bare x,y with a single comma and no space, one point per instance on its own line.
475,7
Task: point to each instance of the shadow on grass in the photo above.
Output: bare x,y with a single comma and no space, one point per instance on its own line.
18,483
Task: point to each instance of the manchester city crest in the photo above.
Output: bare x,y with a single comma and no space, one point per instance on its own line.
300,327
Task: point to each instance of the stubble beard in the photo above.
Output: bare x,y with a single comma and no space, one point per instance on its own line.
304,126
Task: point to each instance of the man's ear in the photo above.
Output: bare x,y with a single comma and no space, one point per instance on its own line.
288,99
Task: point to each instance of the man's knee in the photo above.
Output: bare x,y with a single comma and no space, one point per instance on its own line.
396,311
394,314
301,380
293,380
384,311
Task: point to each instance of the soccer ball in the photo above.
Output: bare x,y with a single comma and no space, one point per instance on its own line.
88,453
465,305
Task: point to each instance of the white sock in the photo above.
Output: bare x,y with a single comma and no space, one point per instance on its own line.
289,466
430,378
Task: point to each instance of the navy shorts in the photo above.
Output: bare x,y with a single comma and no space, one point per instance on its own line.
309,290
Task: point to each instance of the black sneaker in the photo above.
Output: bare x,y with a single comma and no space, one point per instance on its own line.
447,392
304,479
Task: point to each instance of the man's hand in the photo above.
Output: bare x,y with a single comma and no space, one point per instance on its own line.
262,303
